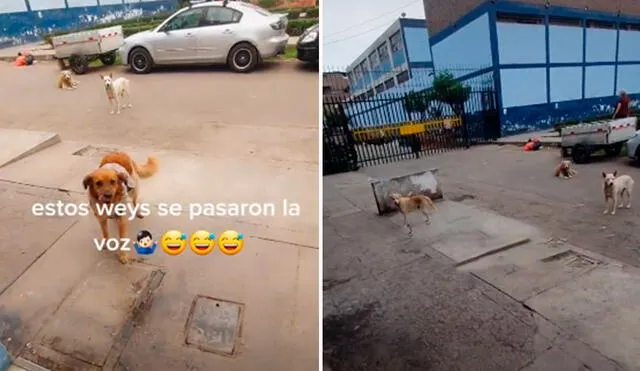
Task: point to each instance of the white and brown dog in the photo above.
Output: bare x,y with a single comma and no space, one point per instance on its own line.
65,81
116,91
409,203
614,189
565,170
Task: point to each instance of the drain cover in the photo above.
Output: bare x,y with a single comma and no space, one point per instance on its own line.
94,151
214,325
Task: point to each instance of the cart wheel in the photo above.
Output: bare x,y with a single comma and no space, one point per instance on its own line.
108,59
580,154
79,63
613,150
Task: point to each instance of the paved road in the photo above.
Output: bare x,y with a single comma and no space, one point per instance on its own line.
521,185
220,137
271,113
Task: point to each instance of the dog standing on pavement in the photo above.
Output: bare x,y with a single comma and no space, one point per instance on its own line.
116,90
115,182
614,189
65,81
565,170
410,203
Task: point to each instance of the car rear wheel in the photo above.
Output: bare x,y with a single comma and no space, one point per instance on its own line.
243,58
140,61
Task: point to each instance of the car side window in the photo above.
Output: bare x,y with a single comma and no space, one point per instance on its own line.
217,15
188,19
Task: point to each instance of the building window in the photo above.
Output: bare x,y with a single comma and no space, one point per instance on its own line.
630,27
390,83
326,89
601,25
519,18
351,78
357,72
396,42
402,77
365,69
369,94
564,21
383,53
374,60
379,88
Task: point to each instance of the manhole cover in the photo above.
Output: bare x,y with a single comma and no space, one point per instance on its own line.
214,325
94,151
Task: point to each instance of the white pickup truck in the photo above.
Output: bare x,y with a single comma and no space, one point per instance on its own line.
582,140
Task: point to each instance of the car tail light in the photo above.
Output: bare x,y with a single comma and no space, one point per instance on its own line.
277,25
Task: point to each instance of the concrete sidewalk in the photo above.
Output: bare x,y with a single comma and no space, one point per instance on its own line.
450,298
64,304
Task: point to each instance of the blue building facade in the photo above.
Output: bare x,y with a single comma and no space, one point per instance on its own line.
23,21
549,64
396,61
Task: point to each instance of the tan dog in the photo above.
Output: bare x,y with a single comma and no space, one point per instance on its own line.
565,170
614,189
65,81
116,182
410,203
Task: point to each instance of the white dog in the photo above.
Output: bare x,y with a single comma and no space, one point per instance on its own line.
614,188
116,90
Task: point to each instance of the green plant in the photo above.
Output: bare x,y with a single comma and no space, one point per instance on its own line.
448,90
268,4
297,26
416,102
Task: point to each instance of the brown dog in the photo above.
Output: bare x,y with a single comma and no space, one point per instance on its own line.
116,182
410,203
565,170
65,81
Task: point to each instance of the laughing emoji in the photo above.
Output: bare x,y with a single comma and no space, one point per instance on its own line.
230,242
173,242
202,242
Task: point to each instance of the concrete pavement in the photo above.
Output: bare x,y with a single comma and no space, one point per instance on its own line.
64,303
398,303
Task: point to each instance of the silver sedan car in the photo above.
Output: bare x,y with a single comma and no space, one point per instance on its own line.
235,33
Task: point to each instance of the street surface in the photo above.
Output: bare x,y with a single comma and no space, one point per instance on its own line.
562,301
219,137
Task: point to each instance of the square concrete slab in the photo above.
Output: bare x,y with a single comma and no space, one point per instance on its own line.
16,144
214,325
93,323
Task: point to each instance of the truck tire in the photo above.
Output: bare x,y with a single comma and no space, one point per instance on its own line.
108,59
580,154
613,150
79,64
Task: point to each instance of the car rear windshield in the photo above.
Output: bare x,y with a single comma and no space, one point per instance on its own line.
257,9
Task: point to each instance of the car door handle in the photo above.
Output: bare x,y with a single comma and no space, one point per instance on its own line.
190,35
227,31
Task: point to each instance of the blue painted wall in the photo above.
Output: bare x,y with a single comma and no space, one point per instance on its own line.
468,47
18,26
629,46
601,45
523,86
565,44
565,83
629,78
521,43
599,81
417,42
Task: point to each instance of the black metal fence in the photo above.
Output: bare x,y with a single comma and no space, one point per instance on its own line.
395,126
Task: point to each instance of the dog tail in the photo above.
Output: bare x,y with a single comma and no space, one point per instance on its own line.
429,202
148,169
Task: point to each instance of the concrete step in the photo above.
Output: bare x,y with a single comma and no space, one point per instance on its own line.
16,144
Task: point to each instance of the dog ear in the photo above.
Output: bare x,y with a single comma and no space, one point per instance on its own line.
101,76
111,74
604,175
87,181
615,173
123,178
